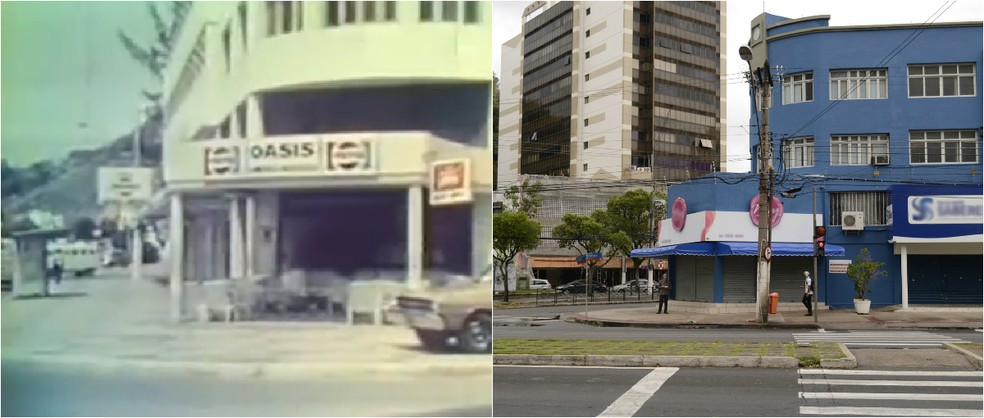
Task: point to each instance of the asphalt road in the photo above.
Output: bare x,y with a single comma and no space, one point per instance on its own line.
28,391
583,391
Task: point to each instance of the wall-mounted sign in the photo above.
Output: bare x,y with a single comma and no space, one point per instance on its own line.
125,184
777,210
945,210
450,182
283,156
679,214
346,156
735,226
838,266
221,160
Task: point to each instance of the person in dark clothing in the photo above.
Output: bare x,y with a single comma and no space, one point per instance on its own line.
664,294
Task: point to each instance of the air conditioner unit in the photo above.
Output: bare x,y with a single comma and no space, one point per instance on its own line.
879,160
852,221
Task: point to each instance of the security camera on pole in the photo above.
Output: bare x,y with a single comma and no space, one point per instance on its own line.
761,81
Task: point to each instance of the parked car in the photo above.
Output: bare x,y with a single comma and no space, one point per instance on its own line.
579,286
452,314
540,284
631,286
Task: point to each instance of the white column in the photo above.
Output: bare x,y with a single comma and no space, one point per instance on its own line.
250,265
623,269
235,238
905,277
481,233
136,256
177,245
650,274
415,236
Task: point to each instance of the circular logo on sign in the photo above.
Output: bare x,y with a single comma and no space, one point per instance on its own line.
777,210
349,155
221,160
679,213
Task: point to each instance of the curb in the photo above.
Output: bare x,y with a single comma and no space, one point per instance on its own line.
973,358
259,369
629,324
850,362
545,305
645,361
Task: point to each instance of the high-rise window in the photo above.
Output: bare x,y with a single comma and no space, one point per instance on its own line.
943,147
390,11
857,149
284,17
858,84
331,13
369,11
942,80
449,11
350,12
797,88
471,11
426,11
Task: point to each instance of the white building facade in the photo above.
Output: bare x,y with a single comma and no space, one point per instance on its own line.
307,136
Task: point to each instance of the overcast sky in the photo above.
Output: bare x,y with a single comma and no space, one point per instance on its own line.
507,15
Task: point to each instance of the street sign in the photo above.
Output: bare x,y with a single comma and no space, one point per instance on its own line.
768,253
838,266
125,184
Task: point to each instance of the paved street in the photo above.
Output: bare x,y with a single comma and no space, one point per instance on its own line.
34,391
584,391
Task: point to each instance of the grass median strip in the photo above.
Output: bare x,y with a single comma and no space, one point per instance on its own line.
811,354
976,348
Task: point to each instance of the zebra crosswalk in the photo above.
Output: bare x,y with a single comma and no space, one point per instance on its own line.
899,393
875,339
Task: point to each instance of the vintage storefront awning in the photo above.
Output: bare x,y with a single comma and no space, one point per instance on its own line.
735,248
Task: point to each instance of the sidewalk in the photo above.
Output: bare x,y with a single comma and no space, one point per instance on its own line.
826,318
113,323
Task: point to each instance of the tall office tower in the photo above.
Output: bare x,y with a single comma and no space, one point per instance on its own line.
589,89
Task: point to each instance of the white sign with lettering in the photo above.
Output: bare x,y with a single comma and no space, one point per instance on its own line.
450,182
838,266
283,156
125,184
945,210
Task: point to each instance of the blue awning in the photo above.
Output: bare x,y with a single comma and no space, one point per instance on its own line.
735,248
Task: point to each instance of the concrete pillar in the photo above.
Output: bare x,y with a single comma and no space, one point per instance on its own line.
482,234
250,254
236,244
905,276
136,257
177,245
415,236
649,275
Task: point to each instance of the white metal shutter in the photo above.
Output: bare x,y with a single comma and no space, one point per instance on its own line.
704,274
685,277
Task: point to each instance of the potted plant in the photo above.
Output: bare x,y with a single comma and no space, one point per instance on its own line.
862,271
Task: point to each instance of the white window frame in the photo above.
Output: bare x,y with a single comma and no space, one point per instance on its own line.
957,141
941,73
798,152
857,149
859,84
801,83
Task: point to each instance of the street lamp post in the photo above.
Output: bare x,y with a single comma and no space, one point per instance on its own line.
136,255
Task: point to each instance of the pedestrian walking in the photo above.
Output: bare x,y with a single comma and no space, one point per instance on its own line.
664,294
808,293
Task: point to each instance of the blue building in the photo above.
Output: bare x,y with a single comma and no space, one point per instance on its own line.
883,124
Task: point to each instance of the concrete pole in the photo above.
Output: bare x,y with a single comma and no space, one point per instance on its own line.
250,266
765,205
623,269
816,274
235,238
177,245
415,237
136,244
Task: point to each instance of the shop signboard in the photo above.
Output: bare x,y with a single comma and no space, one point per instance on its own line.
283,156
125,184
349,156
450,182
838,266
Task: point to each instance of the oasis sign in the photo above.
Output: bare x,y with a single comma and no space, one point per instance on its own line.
283,156
945,210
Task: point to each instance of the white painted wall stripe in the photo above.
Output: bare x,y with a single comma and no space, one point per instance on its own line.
890,412
633,399
889,372
893,396
847,382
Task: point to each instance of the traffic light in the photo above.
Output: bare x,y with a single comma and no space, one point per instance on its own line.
818,239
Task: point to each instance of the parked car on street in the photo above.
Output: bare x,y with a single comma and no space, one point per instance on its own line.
540,284
455,312
630,286
579,286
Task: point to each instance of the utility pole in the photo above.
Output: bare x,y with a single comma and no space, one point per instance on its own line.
762,79
816,274
136,245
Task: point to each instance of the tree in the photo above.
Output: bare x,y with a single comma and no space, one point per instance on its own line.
586,235
525,197
629,213
862,271
513,232
84,228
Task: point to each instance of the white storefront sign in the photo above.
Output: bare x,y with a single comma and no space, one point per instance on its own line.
221,160
125,184
945,210
283,156
450,182
838,266
736,227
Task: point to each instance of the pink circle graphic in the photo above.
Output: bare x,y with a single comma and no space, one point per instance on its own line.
777,210
679,213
